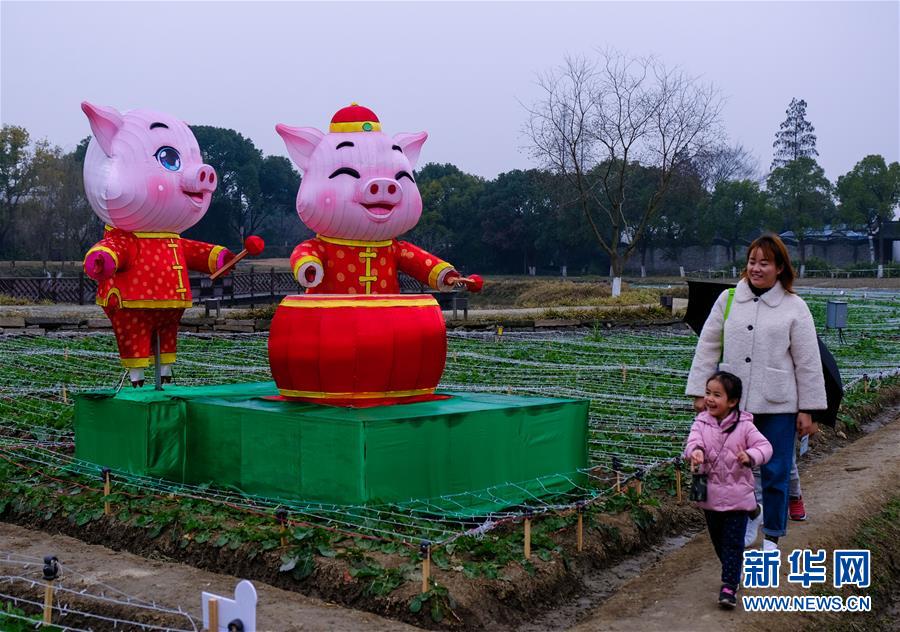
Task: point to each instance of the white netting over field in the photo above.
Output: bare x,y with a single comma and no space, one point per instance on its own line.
634,380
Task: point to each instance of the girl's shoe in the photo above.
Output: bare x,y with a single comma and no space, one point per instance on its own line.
753,528
796,510
768,545
727,598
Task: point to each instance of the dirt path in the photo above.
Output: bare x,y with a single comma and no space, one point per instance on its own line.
178,586
679,592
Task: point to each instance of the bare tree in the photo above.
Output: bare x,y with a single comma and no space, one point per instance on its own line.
724,163
599,119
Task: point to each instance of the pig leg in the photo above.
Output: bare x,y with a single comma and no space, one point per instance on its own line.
132,331
169,320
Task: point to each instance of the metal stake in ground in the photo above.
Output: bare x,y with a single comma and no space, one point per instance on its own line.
51,572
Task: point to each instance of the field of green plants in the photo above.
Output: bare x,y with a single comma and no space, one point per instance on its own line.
633,378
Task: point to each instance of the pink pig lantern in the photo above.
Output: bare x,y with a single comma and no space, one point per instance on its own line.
144,177
353,339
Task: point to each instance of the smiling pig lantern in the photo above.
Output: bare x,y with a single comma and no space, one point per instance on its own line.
144,177
358,194
353,339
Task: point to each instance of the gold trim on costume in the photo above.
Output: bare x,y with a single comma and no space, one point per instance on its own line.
362,395
176,246
349,302
303,260
156,304
355,242
167,358
147,303
214,257
356,126
135,363
103,302
436,272
103,249
145,235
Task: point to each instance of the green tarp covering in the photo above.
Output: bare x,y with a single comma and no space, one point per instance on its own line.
231,436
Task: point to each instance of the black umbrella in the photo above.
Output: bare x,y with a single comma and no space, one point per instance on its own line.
702,295
834,388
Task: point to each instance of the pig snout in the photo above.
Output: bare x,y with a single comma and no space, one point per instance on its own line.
199,179
381,192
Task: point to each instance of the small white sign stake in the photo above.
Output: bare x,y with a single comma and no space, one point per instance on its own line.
242,607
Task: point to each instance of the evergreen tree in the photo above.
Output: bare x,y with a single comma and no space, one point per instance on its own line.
795,139
800,195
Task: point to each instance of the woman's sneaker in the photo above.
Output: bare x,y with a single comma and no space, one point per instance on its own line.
727,598
753,528
796,510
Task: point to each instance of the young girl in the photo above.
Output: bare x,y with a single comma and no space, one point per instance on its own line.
725,445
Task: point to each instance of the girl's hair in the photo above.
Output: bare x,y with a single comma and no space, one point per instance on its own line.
734,388
773,248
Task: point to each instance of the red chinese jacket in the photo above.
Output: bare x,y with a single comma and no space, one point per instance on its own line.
152,268
367,267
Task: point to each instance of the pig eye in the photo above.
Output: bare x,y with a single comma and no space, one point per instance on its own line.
345,171
403,174
169,158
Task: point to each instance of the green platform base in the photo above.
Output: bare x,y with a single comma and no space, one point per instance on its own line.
230,436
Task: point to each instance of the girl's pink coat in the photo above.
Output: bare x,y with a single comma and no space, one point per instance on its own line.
730,484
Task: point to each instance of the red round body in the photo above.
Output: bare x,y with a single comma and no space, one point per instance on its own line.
362,350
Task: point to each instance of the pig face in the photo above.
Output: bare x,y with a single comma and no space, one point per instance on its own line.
356,185
143,171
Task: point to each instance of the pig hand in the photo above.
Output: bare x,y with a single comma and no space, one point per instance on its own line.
99,265
310,274
449,280
453,280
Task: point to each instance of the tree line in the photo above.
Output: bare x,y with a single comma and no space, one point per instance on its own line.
609,187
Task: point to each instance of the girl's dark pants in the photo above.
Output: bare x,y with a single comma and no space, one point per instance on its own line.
726,529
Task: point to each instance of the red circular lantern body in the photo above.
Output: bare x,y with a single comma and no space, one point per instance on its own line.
350,350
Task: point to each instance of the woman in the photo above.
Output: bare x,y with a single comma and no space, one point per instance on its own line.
770,343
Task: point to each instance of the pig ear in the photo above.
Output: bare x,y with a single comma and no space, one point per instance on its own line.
105,123
411,144
301,142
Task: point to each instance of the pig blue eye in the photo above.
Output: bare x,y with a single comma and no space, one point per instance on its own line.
169,158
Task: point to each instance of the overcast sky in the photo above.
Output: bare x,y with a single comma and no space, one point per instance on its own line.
456,70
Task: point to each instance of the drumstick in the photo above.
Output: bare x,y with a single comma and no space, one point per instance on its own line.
253,245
